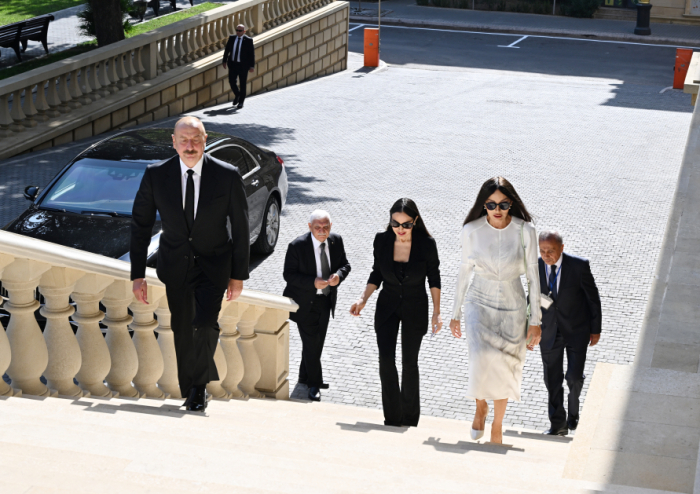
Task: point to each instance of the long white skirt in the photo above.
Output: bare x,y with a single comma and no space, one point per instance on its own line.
495,314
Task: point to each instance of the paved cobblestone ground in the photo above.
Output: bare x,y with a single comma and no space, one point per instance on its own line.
599,168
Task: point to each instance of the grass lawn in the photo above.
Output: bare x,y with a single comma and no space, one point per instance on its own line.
91,45
18,10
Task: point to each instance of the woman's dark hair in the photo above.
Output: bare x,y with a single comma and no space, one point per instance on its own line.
407,206
518,209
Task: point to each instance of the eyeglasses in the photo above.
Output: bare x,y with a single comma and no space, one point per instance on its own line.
240,30
408,225
504,206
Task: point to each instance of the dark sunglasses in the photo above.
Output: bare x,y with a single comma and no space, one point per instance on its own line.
504,206
240,30
408,225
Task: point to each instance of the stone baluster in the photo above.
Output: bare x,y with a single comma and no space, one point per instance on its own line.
88,292
297,4
246,344
16,113
168,382
140,69
248,21
74,89
205,40
267,16
28,107
199,40
92,84
53,98
121,72
6,122
44,110
272,330
5,352
130,68
179,50
172,53
228,28
112,75
188,44
29,353
64,94
276,9
163,56
219,32
228,338
150,359
56,285
215,388
125,362
103,78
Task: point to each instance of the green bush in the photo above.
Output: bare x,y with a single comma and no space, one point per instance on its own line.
87,21
580,8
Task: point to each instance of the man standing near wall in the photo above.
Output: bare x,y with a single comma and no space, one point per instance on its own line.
239,57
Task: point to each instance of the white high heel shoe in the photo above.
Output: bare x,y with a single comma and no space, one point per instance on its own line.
478,434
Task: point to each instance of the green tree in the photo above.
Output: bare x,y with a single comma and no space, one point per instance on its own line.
105,20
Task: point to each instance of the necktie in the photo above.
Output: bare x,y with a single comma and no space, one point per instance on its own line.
237,49
553,280
325,268
189,200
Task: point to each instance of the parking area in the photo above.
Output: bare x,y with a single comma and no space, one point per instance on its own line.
587,133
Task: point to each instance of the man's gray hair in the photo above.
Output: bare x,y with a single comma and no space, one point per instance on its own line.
319,214
551,235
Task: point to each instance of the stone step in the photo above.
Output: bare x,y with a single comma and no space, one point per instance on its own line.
96,445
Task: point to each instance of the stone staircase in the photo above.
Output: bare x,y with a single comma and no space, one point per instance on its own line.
88,445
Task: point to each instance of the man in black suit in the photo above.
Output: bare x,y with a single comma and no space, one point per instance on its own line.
199,258
314,267
571,324
239,57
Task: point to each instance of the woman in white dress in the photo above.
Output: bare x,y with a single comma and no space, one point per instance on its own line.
499,244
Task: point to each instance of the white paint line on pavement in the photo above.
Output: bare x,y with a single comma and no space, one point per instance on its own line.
356,27
533,36
512,45
665,89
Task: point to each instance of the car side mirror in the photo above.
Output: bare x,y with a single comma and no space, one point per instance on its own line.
30,192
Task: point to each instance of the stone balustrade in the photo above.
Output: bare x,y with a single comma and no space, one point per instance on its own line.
691,84
252,356
45,96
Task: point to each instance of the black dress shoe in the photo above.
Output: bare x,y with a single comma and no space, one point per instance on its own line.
556,432
235,101
240,105
199,400
314,394
187,402
572,423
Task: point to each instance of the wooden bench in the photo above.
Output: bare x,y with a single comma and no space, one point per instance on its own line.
19,33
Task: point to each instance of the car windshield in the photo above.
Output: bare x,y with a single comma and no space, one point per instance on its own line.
94,186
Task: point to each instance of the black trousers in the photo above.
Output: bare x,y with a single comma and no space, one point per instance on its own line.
401,403
313,331
195,310
238,71
554,376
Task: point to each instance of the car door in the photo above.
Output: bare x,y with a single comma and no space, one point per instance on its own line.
241,159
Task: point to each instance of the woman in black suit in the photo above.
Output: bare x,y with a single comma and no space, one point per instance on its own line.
404,256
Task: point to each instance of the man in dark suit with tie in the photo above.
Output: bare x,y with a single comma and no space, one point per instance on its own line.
198,258
570,324
239,57
314,267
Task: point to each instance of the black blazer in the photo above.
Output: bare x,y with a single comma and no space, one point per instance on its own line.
576,312
247,51
221,197
409,294
300,272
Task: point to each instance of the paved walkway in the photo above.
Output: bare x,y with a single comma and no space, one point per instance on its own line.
406,12
64,32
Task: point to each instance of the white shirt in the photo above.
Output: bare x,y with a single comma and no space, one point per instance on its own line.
196,178
239,40
557,267
317,255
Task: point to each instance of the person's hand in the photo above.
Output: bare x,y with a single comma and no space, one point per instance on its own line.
436,323
357,307
534,335
594,339
235,287
454,327
334,280
140,289
251,70
320,283
225,65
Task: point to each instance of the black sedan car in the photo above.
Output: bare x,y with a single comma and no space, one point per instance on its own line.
88,204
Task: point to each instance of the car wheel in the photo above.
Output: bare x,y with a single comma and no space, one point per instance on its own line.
270,230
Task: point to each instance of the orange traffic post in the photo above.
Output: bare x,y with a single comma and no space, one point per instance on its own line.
371,47
683,57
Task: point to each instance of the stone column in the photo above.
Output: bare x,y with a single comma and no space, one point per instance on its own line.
150,359
168,382
246,344
5,353
89,290
56,285
125,362
214,387
29,353
231,314
272,344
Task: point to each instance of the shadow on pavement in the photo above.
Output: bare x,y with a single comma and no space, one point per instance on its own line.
462,447
366,427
